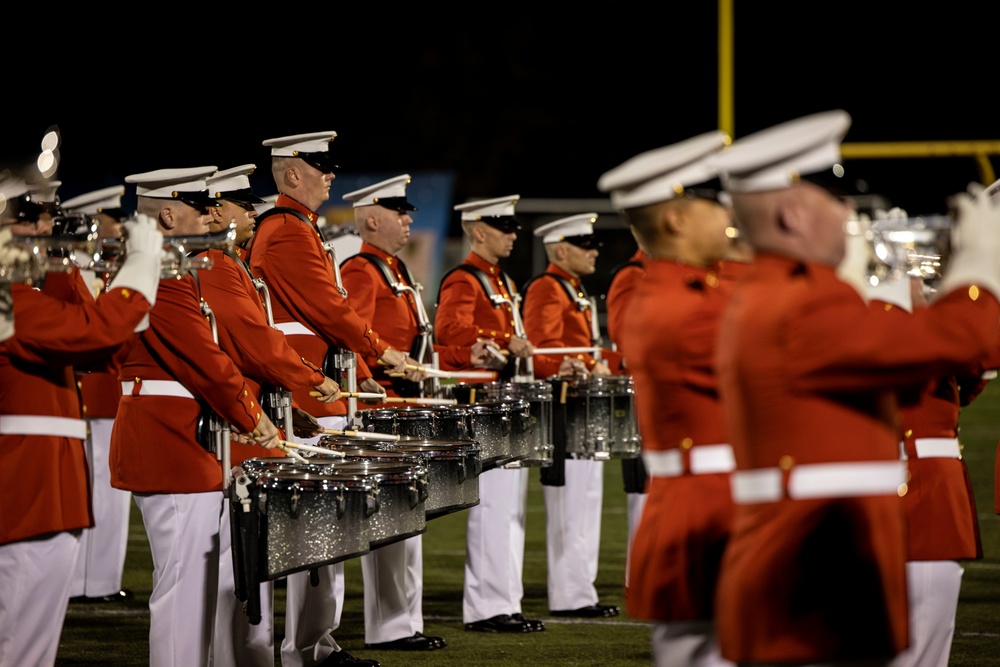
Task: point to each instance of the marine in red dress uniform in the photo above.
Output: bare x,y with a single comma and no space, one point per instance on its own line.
174,373
44,477
809,376
494,557
558,313
668,337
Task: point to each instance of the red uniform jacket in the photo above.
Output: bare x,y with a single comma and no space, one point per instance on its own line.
393,316
465,314
44,480
153,443
623,285
259,351
669,338
100,389
808,373
288,254
553,319
941,518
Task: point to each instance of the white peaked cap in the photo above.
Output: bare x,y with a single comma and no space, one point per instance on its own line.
392,189
167,183
92,203
574,225
779,156
663,173
500,206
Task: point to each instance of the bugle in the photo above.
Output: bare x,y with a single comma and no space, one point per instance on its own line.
178,257
55,253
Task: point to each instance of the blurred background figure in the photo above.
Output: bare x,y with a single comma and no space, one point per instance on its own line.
97,575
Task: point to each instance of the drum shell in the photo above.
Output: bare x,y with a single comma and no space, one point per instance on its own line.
453,468
599,417
538,430
402,496
500,427
437,422
308,517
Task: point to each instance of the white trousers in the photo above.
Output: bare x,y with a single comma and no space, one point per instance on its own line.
99,565
634,502
312,613
494,546
394,586
933,588
34,594
573,535
236,641
686,644
187,534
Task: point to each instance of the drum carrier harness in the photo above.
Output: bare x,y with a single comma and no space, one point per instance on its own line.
512,368
422,346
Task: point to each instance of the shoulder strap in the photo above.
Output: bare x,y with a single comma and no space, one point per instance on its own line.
381,265
281,209
484,280
571,292
619,267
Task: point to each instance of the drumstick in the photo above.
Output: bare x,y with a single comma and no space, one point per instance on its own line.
418,400
497,354
361,435
352,394
308,448
433,372
564,350
283,446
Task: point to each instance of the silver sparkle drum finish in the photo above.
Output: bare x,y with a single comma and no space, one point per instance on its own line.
600,417
453,467
501,429
307,516
438,422
402,495
538,429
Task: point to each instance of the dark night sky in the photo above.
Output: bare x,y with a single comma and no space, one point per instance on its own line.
512,103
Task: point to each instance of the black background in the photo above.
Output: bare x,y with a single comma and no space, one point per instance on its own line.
533,100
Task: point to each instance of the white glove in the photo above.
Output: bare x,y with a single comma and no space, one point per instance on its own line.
975,240
11,255
895,291
140,271
6,312
853,268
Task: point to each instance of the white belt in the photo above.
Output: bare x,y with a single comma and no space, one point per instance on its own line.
819,480
940,448
704,459
157,388
61,427
289,328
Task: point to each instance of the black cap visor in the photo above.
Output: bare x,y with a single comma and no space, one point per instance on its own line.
585,241
505,223
199,200
834,181
398,204
243,197
322,161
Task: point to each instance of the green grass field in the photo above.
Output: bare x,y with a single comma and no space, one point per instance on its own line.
117,635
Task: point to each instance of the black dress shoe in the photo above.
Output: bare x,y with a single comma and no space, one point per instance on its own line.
593,611
505,623
534,624
124,595
344,658
418,642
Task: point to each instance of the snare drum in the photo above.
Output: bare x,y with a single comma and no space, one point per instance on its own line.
308,515
538,430
402,494
500,428
453,467
444,422
599,417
